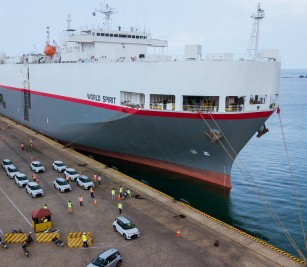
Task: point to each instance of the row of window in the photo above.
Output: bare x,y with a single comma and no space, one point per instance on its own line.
120,35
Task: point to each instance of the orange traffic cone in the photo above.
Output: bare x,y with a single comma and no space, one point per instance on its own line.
118,197
178,233
95,202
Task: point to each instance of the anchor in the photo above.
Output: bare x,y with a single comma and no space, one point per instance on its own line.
214,135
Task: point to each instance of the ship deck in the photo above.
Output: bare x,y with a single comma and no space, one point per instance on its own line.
157,216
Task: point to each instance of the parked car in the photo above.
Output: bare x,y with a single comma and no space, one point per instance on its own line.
62,185
59,166
36,166
85,182
21,179
5,163
125,227
34,189
11,171
71,173
108,258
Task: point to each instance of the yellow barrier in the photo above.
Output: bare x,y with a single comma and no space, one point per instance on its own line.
46,237
75,239
15,238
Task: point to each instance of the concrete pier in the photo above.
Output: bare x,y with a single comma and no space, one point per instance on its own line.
157,216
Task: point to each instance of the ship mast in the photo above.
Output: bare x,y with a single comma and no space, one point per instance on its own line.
107,11
252,49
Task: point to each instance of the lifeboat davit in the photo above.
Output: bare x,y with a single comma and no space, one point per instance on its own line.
49,50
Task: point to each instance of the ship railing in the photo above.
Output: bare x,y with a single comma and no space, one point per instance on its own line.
234,108
203,108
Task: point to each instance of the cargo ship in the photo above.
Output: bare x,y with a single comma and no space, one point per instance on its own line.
116,92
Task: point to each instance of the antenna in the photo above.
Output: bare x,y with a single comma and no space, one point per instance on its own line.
68,22
252,49
48,36
107,11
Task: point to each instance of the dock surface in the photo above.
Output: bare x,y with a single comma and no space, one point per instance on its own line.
157,216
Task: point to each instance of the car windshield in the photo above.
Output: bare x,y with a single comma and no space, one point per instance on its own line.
99,262
60,164
37,164
128,226
62,182
7,162
72,172
35,187
13,169
22,178
85,179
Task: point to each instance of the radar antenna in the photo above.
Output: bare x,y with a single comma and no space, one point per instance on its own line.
107,11
252,49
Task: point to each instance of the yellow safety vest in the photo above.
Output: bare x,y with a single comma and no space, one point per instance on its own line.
84,238
120,190
120,205
113,192
69,205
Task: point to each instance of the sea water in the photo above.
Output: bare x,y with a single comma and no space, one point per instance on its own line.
264,195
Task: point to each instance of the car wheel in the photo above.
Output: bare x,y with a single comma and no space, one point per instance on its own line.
32,195
125,236
119,263
114,227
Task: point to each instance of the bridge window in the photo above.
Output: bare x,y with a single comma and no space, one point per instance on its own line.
162,102
200,103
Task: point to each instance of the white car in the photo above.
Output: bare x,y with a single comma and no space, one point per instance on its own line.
34,189
71,173
59,166
85,182
11,171
36,166
5,163
62,185
21,179
125,227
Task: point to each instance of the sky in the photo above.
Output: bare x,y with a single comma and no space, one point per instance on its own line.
220,26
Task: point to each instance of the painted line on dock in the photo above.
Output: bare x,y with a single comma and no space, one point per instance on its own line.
16,207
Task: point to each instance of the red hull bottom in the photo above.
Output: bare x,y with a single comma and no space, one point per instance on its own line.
208,176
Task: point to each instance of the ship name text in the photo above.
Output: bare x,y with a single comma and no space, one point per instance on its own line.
99,98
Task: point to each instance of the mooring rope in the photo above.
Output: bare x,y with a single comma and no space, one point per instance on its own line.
254,187
292,178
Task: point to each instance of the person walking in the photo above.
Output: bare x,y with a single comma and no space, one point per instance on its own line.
69,206
34,177
31,143
81,200
99,179
121,191
92,192
22,146
67,178
94,178
120,207
84,239
113,194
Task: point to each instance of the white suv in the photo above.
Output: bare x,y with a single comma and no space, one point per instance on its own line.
34,189
125,227
5,163
59,166
11,171
36,166
71,173
21,179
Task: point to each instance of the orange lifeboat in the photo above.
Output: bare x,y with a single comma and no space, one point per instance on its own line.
49,50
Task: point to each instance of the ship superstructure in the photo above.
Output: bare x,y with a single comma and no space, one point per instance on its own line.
102,91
